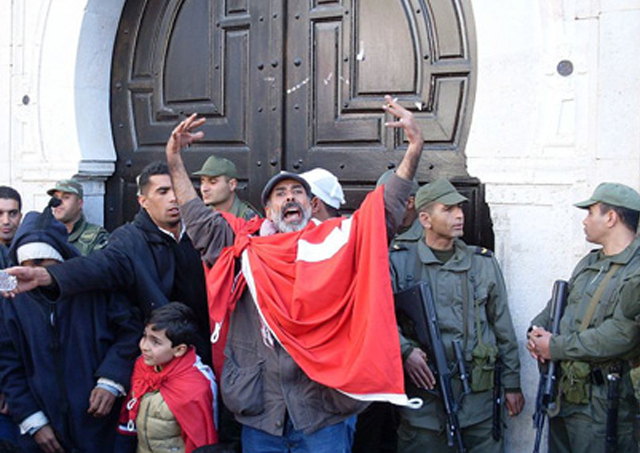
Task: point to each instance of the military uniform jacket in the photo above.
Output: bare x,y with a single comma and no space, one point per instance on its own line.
473,278
87,237
610,334
412,234
242,209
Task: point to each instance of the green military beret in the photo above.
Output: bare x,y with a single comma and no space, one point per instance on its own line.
440,191
613,194
385,177
67,185
216,166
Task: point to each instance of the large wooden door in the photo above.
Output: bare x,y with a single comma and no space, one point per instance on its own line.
293,84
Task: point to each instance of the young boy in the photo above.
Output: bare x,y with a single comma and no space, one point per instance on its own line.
63,363
172,392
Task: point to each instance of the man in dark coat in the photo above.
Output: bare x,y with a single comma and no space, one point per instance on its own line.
151,259
63,363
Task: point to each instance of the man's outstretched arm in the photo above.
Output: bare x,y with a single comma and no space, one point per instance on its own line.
181,137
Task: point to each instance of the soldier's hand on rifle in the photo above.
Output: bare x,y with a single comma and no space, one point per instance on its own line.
538,344
418,370
514,402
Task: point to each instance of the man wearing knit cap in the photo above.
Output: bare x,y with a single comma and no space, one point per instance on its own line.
471,306
84,236
63,364
327,193
218,185
599,331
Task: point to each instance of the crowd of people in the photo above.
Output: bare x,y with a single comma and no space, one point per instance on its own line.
203,326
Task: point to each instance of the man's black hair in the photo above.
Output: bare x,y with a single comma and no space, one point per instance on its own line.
154,168
177,320
628,217
9,193
331,211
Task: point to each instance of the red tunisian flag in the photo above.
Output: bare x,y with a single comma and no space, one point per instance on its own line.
325,294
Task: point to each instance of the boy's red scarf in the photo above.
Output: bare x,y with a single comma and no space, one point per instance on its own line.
325,294
186,391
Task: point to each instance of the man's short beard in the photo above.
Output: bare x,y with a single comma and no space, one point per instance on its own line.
284,227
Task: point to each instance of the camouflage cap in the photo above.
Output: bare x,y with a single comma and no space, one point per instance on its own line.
216,166
440,191
613,194
384,177
67,185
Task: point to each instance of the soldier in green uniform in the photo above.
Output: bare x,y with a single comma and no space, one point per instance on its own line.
84,236
596,339
471,305
218,184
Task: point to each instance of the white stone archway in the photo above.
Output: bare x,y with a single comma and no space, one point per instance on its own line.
56,65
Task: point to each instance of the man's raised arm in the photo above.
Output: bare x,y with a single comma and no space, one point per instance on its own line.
406,121
181,137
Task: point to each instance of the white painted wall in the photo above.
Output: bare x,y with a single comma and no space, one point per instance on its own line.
55,64
539,141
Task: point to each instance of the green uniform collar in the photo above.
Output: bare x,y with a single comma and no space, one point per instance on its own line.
622,258
460,261
242,209
78,229
414,233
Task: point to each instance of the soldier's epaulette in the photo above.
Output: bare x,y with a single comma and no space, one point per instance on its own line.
398,247
483,251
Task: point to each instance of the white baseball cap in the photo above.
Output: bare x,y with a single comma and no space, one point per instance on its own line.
325,186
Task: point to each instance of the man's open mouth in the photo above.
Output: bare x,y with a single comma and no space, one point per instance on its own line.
291,212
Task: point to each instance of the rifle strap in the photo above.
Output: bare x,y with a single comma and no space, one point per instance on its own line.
465,311
417,275
593,304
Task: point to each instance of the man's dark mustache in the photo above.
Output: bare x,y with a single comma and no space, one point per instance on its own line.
291,204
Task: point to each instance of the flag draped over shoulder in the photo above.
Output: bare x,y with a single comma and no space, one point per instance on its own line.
188,388
325,294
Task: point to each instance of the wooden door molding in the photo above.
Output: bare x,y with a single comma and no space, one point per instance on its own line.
173,58
291,85
348,54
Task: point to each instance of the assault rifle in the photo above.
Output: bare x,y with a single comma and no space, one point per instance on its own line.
613,398
496,429
416,312
545,400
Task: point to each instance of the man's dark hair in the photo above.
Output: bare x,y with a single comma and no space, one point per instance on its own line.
628,217
10,193
153,169
331,211
177,320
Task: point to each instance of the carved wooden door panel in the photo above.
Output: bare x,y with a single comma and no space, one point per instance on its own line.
346,55
292,84
217,58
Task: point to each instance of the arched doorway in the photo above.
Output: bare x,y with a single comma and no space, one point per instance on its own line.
293,84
